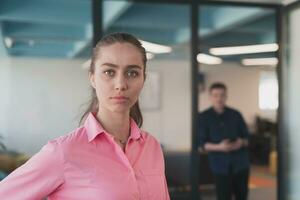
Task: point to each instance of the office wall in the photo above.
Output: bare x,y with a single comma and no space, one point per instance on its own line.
5,72
42,99
243,89
172,122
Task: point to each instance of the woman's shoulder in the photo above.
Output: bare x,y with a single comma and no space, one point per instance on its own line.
147,136
150,139
75,136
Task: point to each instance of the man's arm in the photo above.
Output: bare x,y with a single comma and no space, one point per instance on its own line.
239,143
224,146
242,140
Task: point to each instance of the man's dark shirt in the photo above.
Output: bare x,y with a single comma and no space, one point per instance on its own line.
213,128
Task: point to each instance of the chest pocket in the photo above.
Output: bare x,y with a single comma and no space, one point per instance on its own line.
152,184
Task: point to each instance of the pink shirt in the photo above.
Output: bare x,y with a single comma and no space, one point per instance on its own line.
89,164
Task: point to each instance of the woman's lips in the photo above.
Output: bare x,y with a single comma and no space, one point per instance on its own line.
120,99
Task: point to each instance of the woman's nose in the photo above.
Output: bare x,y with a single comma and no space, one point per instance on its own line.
121,83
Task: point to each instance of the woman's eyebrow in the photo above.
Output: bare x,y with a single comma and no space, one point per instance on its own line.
116,66
134,67
110,65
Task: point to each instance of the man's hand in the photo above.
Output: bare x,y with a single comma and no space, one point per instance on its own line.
225,146
239,143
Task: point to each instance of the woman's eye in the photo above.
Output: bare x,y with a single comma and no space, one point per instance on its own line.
109,72
132,74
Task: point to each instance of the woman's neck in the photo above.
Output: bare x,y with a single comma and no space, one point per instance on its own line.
116,124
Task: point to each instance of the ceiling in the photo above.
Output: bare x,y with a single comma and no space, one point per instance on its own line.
256,1
56,28
63,28
284,2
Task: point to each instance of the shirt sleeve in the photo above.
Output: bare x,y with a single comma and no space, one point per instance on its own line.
167,190
243,130
203,130
166,193
37,178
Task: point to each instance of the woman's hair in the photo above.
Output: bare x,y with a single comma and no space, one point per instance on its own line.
107,40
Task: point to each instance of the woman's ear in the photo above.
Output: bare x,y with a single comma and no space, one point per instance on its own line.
92,80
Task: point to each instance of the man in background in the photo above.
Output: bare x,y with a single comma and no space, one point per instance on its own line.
224,135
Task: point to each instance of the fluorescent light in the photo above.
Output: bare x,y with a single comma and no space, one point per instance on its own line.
8,42
260,61
149,56
259,48
155,48
208,59
287,2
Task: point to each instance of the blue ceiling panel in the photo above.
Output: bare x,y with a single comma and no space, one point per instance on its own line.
40,31
75,12
46,28
47,49
162,16
63,28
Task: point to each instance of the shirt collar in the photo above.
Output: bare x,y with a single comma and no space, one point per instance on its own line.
94,128
213,111
135,131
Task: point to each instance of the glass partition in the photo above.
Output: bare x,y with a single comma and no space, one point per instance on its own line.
238,48
290,105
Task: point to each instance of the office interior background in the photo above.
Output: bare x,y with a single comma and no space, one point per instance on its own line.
251,46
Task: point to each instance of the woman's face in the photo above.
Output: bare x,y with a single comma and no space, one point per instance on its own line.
118,77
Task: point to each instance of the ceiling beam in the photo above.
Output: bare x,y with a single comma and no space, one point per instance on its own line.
61,12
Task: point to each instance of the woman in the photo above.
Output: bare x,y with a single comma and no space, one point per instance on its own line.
109,157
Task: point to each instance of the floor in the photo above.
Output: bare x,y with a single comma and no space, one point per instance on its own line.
262,185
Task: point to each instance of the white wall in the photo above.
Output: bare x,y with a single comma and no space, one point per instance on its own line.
171,124
41,99
5,73
243,85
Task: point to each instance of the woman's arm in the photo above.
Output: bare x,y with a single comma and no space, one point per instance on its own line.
37,178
